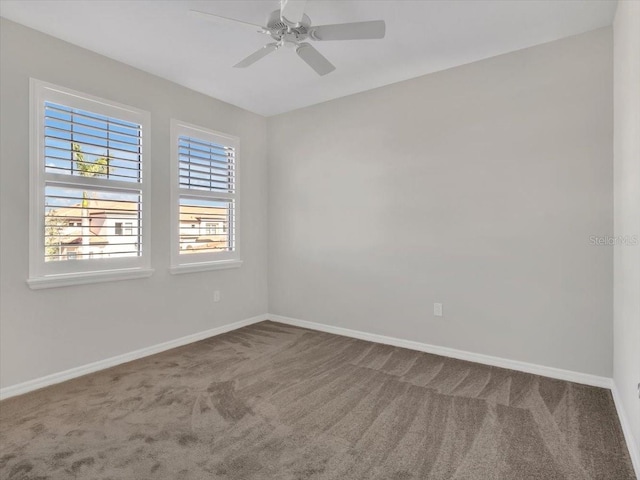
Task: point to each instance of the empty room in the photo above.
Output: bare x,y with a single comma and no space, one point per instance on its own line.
320,240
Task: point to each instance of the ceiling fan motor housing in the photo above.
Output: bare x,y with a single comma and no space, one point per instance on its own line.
280,30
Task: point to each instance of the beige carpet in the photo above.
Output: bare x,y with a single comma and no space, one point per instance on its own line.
271,401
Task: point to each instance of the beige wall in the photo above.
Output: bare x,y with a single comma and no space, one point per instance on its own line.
478,187
48,331
626,358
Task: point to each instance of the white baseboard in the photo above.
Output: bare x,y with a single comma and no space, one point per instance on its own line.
626,429
28,386
552,372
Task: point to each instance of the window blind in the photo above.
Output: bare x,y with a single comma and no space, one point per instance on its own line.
78,142
86,222
206,226
206,165
82,224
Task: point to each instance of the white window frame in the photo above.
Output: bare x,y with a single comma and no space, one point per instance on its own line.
56,274
196,262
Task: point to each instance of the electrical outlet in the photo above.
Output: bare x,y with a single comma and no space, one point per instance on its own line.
216,296
437,309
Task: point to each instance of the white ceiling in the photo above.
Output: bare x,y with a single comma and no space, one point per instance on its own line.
422,37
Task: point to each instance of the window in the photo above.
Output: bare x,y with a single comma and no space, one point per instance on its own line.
205,199
210,228
89,177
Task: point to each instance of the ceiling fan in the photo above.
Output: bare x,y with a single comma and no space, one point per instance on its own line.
290,27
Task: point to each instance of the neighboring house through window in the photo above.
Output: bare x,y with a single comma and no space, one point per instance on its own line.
205,201
89,178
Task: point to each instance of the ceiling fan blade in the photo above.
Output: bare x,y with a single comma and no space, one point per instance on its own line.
349,31
292,10
255,56
314,59
226,21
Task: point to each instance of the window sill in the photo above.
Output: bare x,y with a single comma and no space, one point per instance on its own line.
204,266
65,280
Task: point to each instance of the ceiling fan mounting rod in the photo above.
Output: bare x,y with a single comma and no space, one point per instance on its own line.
289,23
